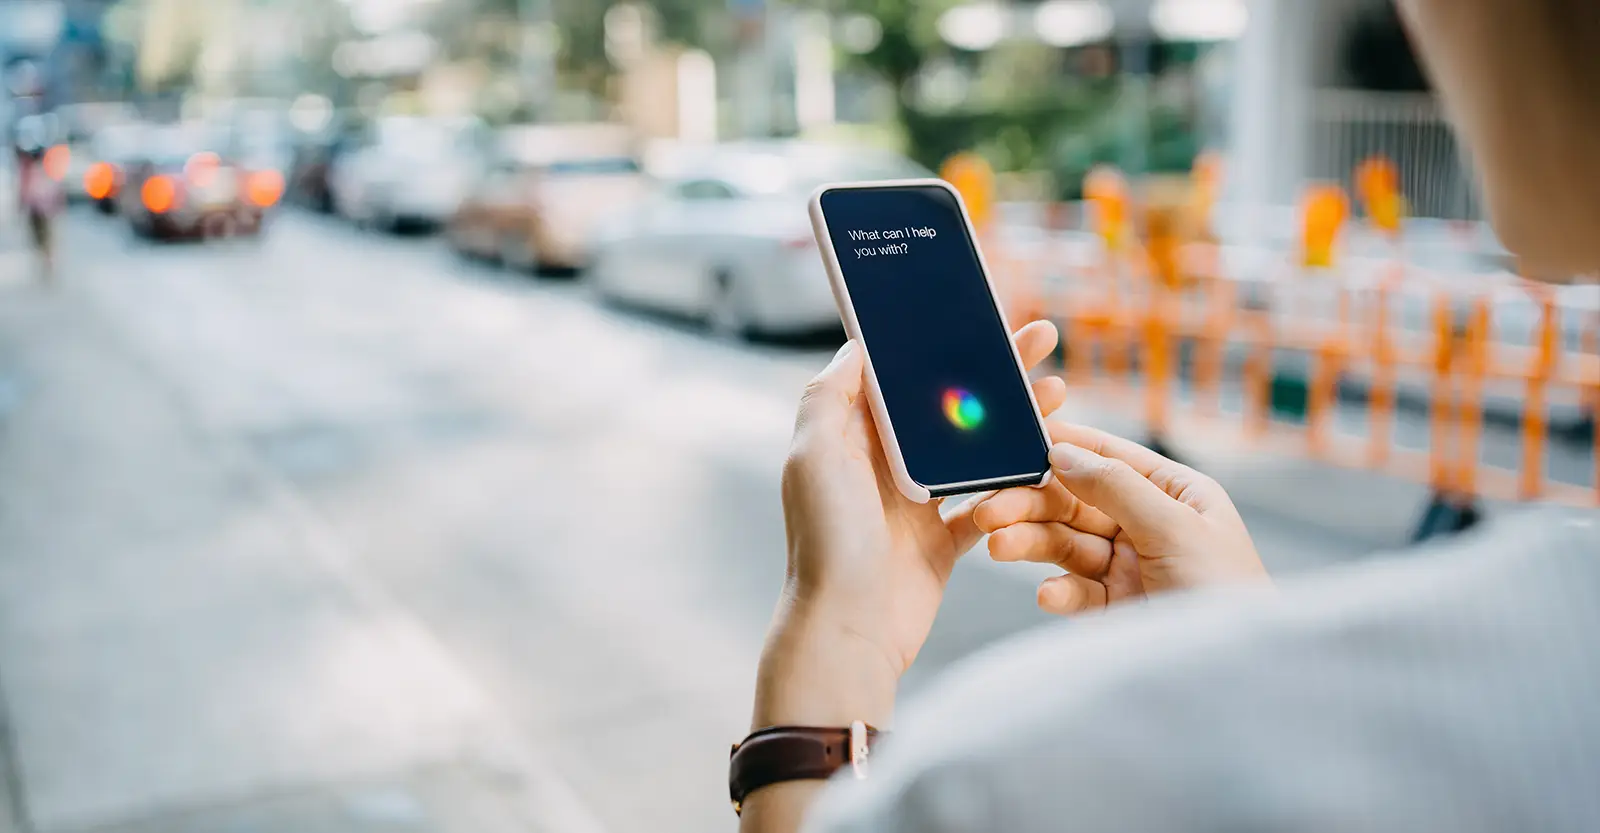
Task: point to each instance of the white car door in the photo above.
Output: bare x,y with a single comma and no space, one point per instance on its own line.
629,262
346,181
693,240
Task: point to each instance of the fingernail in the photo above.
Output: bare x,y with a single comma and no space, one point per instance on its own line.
1065,456
1054,594
844,352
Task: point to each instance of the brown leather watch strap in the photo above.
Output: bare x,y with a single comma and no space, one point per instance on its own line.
793,753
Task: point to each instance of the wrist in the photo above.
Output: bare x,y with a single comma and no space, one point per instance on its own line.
817,671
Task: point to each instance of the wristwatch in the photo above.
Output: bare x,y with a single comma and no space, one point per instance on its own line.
793,753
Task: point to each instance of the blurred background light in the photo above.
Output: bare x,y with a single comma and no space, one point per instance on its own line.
943,85
1073,22
1199,20
375,17
627,34
974,27
697,99
397,53
311,113
56,160
859,33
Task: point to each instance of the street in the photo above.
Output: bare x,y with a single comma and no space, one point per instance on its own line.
336,531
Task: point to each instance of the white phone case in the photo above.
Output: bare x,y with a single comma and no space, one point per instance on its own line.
919,492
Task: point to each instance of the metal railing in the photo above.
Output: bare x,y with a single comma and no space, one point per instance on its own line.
1349,126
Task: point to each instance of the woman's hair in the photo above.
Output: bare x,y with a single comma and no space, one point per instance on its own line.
1521,82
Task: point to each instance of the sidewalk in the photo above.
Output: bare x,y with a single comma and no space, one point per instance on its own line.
184,647
13,270
12,817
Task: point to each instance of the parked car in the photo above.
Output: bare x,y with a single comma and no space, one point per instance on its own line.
537,207
311,169
412,172
181,186
261,136
81,125
727,240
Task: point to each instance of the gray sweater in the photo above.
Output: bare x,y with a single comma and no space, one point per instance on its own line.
1455,688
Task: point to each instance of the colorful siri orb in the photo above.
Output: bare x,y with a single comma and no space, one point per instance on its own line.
962,409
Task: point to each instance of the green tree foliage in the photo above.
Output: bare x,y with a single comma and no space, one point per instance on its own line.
581,25
909,39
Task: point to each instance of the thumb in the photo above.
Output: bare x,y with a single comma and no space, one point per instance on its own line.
831,394
1148,515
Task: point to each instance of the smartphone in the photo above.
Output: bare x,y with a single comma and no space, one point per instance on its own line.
948,391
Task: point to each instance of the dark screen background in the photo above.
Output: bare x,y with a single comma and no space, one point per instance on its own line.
929,325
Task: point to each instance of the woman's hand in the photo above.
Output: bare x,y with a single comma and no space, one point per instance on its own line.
867,567
1123,521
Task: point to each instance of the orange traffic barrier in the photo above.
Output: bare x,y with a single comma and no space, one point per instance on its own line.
1470,403
1441,412
1107,192
974,179
1323,212
1378,184
1207,178
1381,391
1534,427
1388,330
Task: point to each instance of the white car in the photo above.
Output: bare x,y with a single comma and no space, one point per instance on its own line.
726,238
414,172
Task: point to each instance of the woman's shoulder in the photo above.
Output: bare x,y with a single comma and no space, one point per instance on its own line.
1239,684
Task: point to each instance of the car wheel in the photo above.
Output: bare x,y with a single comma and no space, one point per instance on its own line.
598,278
727,313
453,238
517,254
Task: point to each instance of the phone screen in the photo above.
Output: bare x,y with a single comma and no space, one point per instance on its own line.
959,405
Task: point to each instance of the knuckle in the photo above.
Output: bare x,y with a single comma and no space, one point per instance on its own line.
802,450
1002,510
1185,484
815,390
1065,549
1013,543
818,400
1111,471
1072,511
797,464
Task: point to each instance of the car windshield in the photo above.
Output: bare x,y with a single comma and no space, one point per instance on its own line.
171,147
116,142
598,166
421,139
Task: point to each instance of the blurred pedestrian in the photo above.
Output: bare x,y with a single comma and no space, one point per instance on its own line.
1456,688
40,196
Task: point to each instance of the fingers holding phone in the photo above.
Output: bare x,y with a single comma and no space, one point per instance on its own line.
1122,520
